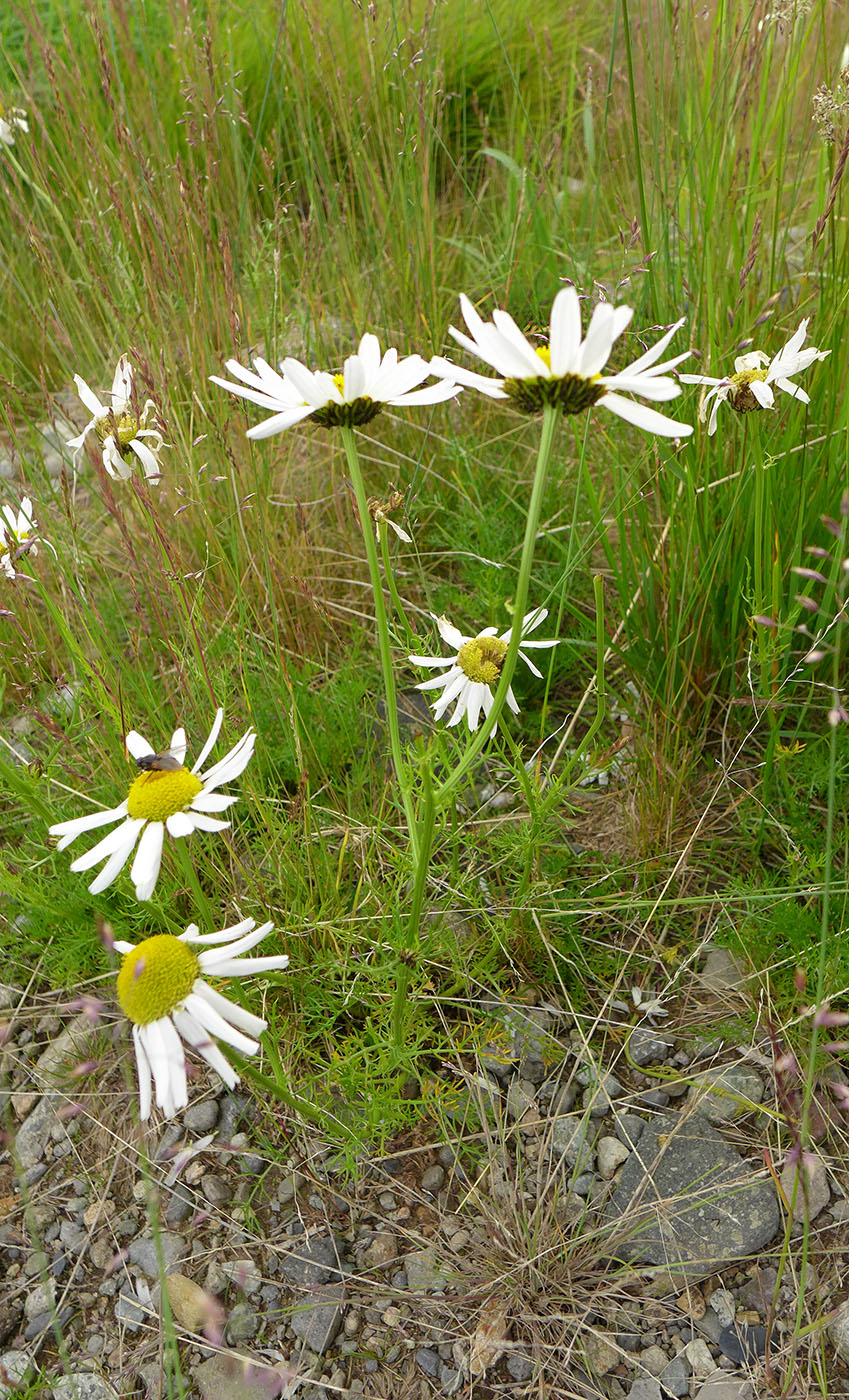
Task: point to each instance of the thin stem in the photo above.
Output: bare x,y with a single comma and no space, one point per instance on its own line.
635,133
445,789
389,575
382,622
427,812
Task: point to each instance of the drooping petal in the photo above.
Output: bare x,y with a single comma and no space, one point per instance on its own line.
238,946
89,398
208,1016
145,1080
232,764
200,1040
646,418
116,862
236,1015
210,743
70,830
145,870
108,845
179,824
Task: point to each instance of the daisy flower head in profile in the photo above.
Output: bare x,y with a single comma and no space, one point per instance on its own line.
471,675
18,536
12,119
161,990
751,385
566,373
368,382
122,429
166,796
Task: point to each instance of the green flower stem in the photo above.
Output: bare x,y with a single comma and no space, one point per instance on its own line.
445,790
411,942
761,604
382,622
389,575
184,860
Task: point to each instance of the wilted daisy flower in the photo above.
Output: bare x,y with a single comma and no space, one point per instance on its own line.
165,796
472,674
566,373
18,536
12,119
122,430
367,383
162,991
381,513
750,386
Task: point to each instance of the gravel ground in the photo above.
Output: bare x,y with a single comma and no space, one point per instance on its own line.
575,1226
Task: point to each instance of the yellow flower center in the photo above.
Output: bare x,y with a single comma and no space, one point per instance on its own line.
121,427
155,977
544,352
156,796
481,659
741,397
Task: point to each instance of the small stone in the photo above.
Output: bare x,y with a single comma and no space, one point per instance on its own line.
676,1376
311,1261
180,1206
449,1379
129,1312
653,1098
433,1179
215,1189
33,1136
144,1252
600,1094
610,1154
721,973
808,1189
242,1324
72,1235
288,1188
520,1367
600,1356
700,1357
724,1305
583,1184
647,1047
520,1100
721,1386
201,1117
382,1251
244,1273
392,1316
654,1360
246,1377
692,1303
40,1300
190,1304
726,1092
82,1385
628,1128
387,1200
570,1139
423,1272
317,1322
645,1388
353,1321
742,1343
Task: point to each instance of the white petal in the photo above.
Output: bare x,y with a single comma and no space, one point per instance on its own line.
606,326
136,746
493,388
565,334
432,393
700,379
450,634
208,746
431,660
279,423
69,830
793,390
224,935
651,356
646,418
168,1064
446,679
762,392
118,860
208,1016
122,385
90,399
146,457
143,1067
177,747
509,331
107,845
238,945
232,764
145,871
200,1040
212,802
179,824
236,1015
315,389
204,823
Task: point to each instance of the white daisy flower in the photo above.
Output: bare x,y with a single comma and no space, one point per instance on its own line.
472,674
169,797
162,991
566,373
12,119
351,399
750,386
123,432
18,536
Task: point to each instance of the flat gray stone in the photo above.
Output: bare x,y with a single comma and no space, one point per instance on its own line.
725,1092
239,1378
722,1386
318,1320
424,1274
83,1385
311,1262
647,1046
838,1331
645,1388
144,1252
572,1138
721,973
14,1366
687,1201
676,1376
33,1135
811,1193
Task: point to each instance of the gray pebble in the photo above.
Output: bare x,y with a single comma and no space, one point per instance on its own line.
180,1206
144,1252
646,1047
450,1380
233,1109
433,1179
724,1305
82,1385
676,1376
428,1361
742,1343
520,1367
201,1117
242,1323
128,1311
215,1189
